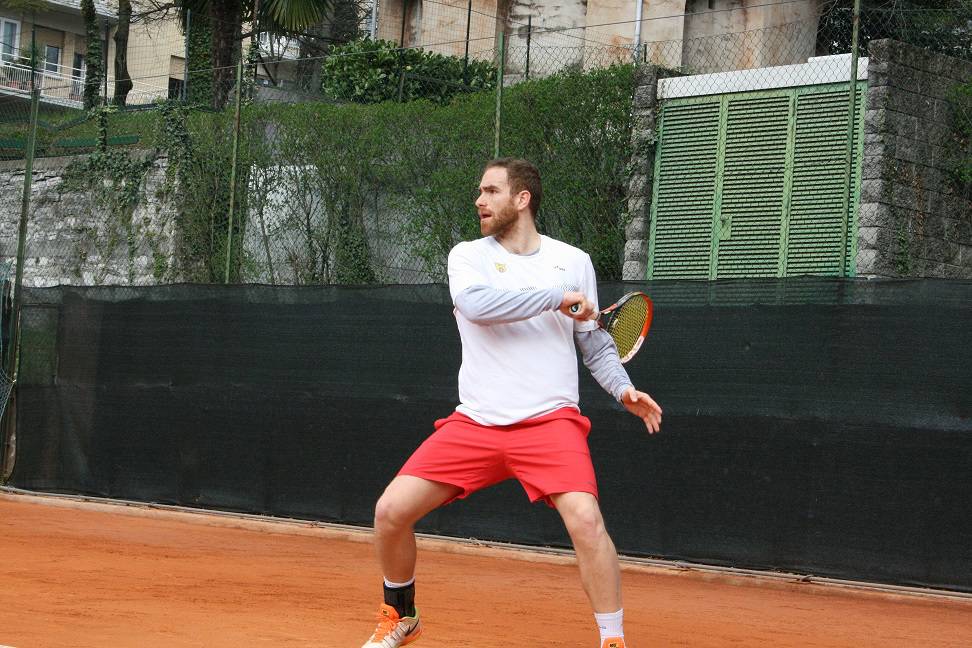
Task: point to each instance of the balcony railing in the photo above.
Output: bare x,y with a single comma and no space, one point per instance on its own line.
54,87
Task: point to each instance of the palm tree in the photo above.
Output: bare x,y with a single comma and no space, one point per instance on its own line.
227,18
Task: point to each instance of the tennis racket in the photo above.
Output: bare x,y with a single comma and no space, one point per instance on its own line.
626,321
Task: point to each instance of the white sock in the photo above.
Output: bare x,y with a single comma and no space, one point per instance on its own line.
610,624
392,585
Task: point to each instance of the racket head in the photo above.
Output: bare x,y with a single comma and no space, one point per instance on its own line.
627,321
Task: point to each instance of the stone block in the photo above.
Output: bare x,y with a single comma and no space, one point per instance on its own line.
933,202
635,270
928,268
906,148
646,75
642,138
637,229
958,230
636,249
951,271
638,206
937,86
873,167
906,125
869,237
639,185
875,215
905,197
942,251
942,111
879,98
881,49
875,121
930,225
646,96
875,191
645,117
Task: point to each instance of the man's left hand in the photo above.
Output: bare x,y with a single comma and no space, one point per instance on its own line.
644,407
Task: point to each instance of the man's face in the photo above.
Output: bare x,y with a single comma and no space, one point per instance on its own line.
495,205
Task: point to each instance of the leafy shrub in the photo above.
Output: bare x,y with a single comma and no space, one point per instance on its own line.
372,71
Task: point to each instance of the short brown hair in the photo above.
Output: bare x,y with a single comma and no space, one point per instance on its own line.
522,176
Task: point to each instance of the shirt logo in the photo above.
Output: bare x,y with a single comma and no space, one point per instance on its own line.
500,266
561,268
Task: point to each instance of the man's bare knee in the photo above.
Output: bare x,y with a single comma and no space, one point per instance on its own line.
390,516
583,520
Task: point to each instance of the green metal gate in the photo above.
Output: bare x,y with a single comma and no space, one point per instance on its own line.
753,184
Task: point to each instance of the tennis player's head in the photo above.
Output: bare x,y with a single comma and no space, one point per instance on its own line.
509,192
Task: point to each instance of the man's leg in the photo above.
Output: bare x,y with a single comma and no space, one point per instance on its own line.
596,556
405,501
598,561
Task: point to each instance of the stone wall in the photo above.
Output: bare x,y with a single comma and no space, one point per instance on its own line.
914,219
70,240
643,140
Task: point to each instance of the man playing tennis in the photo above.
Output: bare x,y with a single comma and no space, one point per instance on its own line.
518,385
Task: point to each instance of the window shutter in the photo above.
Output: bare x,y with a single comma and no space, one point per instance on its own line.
819,184
680,240
753,187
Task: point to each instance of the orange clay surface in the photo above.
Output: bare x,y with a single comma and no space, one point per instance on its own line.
95,574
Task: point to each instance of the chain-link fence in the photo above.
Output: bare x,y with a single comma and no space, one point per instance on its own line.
307,162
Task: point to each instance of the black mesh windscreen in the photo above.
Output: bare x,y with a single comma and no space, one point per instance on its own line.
818,426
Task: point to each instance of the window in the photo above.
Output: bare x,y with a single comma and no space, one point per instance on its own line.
78,70
176,87
52,59
9,40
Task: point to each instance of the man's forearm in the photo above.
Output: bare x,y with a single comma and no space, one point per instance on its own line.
601,358
485,305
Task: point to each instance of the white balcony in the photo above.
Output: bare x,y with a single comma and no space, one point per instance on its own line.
275,48
55,88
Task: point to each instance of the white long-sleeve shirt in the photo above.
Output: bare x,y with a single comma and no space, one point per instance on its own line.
518,354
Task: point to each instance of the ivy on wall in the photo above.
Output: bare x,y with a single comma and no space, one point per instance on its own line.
112,182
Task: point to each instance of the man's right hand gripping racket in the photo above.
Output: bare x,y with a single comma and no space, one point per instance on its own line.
627,321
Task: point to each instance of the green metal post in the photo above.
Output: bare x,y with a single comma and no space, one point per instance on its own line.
851,125
499,93
236,150
465,59
22,237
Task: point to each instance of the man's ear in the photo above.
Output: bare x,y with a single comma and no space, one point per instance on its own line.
523,199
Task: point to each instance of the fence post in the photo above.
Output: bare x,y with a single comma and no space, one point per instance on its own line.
12,359
499,92
846,201
401,39
465,60
104,64
235,163
529,36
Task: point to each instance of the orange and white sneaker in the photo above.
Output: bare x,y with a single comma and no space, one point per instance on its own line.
393,630
613,642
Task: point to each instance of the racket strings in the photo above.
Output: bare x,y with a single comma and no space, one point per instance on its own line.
628,324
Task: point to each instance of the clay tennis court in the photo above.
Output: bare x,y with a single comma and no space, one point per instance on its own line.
94,574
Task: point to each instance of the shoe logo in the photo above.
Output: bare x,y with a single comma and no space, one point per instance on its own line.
500,267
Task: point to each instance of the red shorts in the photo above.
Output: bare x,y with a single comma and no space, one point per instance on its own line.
547,454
